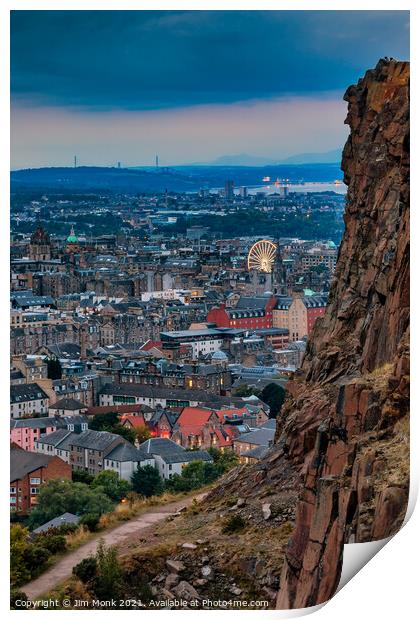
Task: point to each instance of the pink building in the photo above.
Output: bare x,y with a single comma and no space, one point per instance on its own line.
25,432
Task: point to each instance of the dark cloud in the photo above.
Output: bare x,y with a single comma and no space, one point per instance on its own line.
160,59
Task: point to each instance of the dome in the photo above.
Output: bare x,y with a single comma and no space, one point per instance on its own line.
72,236
219,355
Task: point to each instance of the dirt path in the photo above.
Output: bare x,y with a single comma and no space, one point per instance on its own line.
63,569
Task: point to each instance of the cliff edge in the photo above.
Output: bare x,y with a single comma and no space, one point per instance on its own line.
344,428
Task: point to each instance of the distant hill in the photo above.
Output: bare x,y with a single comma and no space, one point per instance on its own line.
331,157
102,178
176,179
239,160
243,159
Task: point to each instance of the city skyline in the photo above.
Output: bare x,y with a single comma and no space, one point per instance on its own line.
190,85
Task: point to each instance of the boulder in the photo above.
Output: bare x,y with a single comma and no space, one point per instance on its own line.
207,571
186,591
189,545
175,566
172,580
266,510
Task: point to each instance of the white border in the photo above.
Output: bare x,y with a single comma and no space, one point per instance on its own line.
388,585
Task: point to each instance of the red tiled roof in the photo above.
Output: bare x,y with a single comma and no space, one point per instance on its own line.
194,417
221,413
133,420
222,440
150,344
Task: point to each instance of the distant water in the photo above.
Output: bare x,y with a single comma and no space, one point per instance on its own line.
320,186
307,187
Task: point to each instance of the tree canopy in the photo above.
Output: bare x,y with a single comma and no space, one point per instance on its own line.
59,496
147,481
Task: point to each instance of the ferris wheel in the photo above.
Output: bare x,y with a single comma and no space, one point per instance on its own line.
261,256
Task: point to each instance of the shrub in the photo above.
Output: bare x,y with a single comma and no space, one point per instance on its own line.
233,524
109,483
91,520
35,558
82,476
76,538
108,580
54,543
147,481
17,595
59,496
86,569
19,544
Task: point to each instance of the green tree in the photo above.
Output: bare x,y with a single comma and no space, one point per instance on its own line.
273,396
59,496
142,434
80,475
108,581
147,481
54,370
103,421
223,459
111,485
245,390
110,422
194,475
19,545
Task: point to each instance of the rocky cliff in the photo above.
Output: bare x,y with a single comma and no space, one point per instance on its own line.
345,424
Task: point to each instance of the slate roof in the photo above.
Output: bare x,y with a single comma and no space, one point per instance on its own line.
252,303
161,446
65,349
126,452
61,439
171,452
34,423
259,437
256,453
64,519
23,462
26,392
16,374
95,440
187,456
68,403
271,423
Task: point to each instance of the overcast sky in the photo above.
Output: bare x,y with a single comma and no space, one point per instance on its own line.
189,85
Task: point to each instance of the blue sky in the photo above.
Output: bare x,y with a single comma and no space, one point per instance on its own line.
190,85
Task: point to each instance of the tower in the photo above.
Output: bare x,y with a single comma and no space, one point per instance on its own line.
229,185
279,274
83,342
40,245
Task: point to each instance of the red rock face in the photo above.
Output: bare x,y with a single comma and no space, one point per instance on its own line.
344,429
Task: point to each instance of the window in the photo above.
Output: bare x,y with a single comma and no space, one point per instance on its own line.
13,500
35,480
34,490
12,489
